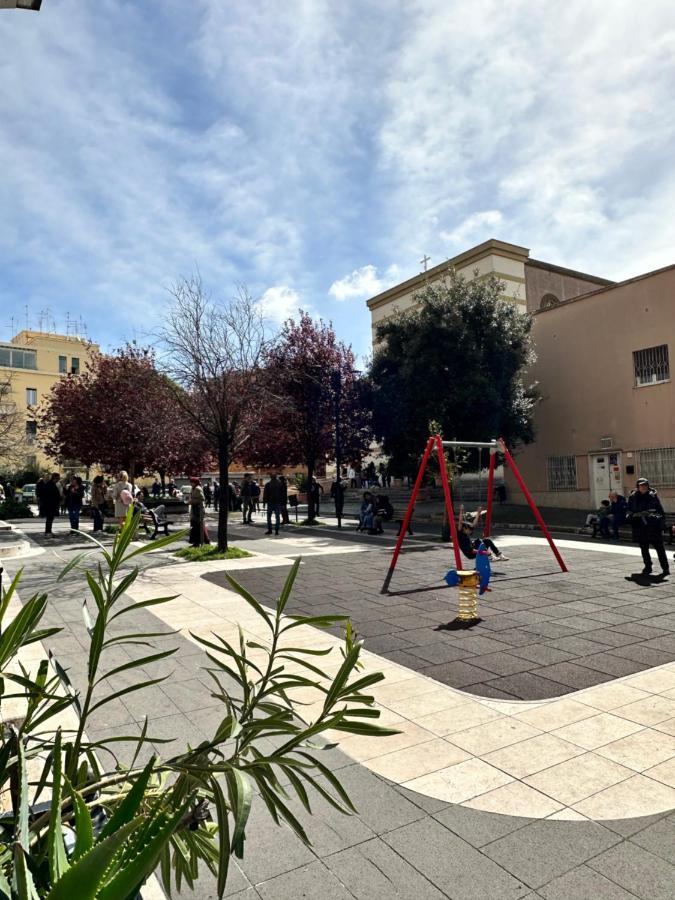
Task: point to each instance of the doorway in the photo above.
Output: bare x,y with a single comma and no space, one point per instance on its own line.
605,475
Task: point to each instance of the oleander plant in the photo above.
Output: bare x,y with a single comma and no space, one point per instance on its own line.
74,826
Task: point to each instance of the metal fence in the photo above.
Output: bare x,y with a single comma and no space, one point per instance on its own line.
561,472
658,466
651,365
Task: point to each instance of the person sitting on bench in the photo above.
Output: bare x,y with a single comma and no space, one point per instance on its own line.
366,513
384,512
469,545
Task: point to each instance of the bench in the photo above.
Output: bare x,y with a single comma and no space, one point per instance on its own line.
157,520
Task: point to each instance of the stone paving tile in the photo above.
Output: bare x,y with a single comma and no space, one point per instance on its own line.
638,871
591,619
373,870
583,882
456,868
545,850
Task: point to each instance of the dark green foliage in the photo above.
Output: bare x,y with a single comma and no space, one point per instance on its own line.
458,358
15,509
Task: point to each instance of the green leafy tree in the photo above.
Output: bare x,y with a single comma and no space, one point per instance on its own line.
458,358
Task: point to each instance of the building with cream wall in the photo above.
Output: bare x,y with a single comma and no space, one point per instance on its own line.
33,361
603,370
527,282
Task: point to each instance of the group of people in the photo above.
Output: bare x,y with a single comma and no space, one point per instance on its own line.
611,515
375,509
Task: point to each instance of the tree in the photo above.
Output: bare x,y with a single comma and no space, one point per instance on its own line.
459,358
13,442
213,351
304,369
120,413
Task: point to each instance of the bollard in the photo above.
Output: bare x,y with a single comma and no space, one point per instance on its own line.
468,595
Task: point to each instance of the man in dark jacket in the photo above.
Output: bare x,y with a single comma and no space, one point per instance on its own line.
618,507
646,517
272,498
51,502
248,498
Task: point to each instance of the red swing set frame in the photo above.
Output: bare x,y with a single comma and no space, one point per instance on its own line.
436,443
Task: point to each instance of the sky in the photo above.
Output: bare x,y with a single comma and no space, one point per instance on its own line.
314,151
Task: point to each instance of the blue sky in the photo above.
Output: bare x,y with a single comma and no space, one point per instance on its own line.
314,150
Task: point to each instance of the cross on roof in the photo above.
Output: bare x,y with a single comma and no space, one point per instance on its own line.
423,262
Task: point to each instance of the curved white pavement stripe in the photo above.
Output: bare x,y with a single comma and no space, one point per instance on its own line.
606,752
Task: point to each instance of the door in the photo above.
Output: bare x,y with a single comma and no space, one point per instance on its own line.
605,476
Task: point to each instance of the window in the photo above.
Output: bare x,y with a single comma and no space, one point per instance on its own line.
548,300
63,365
31,396
18,359
31,432
562,473
658,466
651,365
75,367
606,443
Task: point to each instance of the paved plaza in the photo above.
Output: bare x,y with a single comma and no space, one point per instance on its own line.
536,753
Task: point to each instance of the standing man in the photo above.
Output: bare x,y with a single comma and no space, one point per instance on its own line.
247,499
337,492
216,496
272,498
51,502
208,494
40,492
647,516
317,493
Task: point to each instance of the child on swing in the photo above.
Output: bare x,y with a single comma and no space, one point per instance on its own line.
469,545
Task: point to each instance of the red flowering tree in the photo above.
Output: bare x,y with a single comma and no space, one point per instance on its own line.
311,386
120,413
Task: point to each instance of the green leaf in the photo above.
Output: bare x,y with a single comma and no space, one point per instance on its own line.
250,599
75,561
129,878
129,807
288,586
224,851
137,663
8,593
241,794
158,544
56,850
314,621
83,879
21,824
22,880
342,676
142,604
127,690
84,829
96,591
124,585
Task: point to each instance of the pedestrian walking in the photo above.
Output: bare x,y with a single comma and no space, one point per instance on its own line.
208,494
40,492
272,498
123,494
316,491
51,502
98,498
74,500
156,488
216,496
247,499
283,481
197,514
337,492
647,517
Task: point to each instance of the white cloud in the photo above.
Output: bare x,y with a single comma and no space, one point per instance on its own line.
364,282
475,228
279,303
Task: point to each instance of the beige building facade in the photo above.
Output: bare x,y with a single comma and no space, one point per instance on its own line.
528,283
32,362
607,414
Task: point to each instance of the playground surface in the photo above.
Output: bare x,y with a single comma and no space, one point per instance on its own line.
543,633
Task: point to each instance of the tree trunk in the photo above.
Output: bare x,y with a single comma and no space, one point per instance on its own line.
162,479
224,508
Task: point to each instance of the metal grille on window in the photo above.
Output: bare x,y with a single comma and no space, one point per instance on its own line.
562,473
658,466
651,365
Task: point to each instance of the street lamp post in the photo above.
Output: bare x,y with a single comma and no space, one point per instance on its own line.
31,5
